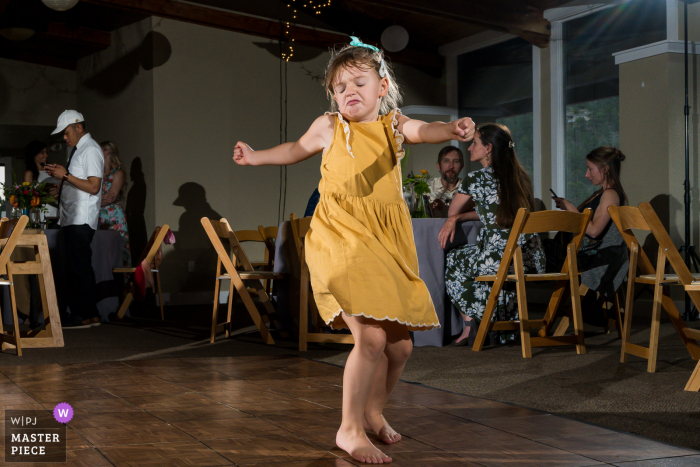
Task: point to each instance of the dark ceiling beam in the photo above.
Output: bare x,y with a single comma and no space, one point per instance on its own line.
255,26
81,36
503,16
39,58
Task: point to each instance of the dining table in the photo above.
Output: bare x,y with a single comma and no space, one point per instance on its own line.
431,269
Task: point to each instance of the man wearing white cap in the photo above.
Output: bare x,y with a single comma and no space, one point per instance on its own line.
79,204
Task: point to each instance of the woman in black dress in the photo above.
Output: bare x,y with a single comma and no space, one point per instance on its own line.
603,258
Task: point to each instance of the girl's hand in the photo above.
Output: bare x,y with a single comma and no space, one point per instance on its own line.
242,154
447,232
564,204
463,129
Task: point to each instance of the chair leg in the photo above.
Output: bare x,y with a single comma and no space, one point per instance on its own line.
303,305
485,325
231,301
656,311
522,304
552,310
694,381
127,299
618,315
655,324
215,313
252,309
160,297
18,340
629,301
575,299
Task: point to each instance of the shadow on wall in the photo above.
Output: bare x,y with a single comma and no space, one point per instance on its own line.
663,205
192,263
135,209
154,51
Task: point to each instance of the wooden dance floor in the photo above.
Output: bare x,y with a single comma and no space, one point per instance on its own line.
284,412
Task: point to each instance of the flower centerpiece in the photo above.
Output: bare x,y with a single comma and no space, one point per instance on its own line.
28,195
415,186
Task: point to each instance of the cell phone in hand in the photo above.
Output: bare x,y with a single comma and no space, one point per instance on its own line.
553,194
43,164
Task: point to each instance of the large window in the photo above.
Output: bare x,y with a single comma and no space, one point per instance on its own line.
591,80
495,85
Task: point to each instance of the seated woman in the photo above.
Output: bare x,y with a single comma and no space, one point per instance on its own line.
493,195
603,260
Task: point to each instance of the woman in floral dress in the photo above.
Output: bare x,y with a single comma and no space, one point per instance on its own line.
493,195
113,187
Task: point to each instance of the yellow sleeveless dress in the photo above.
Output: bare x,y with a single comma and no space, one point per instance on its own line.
360,248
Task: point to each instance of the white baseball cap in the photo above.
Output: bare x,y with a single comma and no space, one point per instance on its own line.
66,118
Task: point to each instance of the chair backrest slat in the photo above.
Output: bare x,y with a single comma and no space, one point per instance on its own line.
236,248
215,231
9,246
555,221
158,237
269,235
661,236
249,236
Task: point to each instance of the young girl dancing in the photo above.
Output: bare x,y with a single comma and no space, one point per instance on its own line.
360,248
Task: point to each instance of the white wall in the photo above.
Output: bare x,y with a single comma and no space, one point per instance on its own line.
34,94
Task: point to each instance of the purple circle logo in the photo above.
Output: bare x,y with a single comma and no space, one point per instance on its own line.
63,412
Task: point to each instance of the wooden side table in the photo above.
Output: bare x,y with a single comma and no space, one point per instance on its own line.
31,256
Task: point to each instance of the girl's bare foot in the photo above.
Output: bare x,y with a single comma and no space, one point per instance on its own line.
360,447
381,427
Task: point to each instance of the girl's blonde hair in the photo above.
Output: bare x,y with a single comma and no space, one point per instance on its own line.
114,159
351,56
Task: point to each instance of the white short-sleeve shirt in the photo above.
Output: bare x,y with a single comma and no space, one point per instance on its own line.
79,207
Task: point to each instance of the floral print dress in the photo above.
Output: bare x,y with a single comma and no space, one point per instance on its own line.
112,217
465,263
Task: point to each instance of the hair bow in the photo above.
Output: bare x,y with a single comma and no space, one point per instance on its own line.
358,43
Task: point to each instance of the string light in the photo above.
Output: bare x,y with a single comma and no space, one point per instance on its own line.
315,6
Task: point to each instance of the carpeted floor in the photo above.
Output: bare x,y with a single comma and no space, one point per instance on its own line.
594,387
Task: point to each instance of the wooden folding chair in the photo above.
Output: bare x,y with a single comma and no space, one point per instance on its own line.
216,230
529,223
644,218
149,253
6,269
300,227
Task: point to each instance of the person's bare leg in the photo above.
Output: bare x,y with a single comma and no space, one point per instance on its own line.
370,341
398,349
467,329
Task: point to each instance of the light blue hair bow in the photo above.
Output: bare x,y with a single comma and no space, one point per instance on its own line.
358,43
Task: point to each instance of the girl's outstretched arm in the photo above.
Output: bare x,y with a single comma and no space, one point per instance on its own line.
417,131
315,140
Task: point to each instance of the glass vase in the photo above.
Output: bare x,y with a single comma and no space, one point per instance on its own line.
409,195
35,218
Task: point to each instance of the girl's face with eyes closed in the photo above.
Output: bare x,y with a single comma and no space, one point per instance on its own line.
358,92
